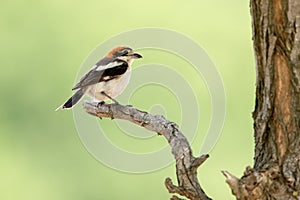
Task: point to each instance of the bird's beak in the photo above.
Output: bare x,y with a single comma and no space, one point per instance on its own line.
137,56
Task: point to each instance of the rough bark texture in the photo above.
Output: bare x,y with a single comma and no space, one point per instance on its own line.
276,171
186,163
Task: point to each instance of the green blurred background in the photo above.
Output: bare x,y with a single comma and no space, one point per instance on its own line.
44,43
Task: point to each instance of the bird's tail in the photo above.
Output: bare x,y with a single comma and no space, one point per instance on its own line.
72,100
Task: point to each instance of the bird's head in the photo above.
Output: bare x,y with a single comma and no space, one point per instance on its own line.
123,53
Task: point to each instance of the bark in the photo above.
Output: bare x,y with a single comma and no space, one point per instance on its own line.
276,38
186,163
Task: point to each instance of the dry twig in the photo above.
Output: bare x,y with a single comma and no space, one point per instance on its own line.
186,163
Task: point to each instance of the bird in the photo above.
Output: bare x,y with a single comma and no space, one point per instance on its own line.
107,79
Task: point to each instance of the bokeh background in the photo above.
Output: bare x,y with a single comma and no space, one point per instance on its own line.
44,43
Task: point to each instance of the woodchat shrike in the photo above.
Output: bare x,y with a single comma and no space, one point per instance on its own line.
107,78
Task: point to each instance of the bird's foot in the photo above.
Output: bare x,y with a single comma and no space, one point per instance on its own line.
101,103
115,101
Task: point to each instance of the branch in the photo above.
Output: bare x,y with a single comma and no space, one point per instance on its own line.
186,163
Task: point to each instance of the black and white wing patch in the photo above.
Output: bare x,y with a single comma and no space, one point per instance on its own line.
104,70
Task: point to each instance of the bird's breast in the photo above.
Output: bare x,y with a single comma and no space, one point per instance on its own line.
113,87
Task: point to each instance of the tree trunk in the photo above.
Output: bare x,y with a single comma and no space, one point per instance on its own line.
276,37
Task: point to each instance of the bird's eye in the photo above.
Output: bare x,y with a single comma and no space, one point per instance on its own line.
124,52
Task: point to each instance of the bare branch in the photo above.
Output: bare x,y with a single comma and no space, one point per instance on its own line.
186,163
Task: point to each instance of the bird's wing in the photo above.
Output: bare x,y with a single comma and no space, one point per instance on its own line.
105,70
